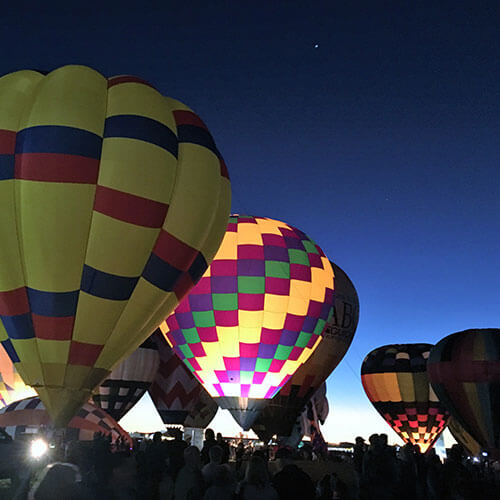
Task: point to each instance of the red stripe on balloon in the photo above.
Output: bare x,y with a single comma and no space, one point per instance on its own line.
175,252
7,142
116,80
482,371
54,167
14,302
185,117
130,208
81,353
53,328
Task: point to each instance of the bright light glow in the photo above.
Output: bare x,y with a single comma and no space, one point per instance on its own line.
38,448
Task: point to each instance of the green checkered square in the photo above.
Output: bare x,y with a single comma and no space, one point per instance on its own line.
204,318
320,325
251,284
276,269
186,350
298,257
309,246
189,365
283,352
246,377
225,301
262,365
191,335
303,339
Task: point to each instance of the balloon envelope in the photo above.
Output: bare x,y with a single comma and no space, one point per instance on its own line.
463,437
203,412
395,380
257,314
12,387
280,415
114,199
174,391
464,370
129,381
29,416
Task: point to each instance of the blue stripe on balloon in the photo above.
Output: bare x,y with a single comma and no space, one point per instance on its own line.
198,267
59,139
53,304
197,135
19,326
6,167
106,285
11,352
161,273
143,129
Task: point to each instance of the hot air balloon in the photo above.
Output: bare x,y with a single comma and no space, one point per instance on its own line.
279,416
257,314
395,380
464,370
12,387
114,200
203,412
29,416
306,424
174,391
129,381
463,437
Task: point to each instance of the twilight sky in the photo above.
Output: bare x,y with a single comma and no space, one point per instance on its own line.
372,127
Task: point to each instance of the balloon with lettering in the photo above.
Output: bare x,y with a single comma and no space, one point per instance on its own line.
114,200
174,391
29,416
464,370
395,380
257,314
278,418
129,381
12,387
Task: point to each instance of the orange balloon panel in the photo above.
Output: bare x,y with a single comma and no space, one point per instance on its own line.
12,387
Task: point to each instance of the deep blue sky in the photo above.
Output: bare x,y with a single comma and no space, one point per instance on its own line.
382,143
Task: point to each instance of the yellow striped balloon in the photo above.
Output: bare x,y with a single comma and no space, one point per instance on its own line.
113,201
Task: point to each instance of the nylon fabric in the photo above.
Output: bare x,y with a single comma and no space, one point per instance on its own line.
101,190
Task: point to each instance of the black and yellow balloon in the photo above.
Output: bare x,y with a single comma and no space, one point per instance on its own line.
395,380
113,201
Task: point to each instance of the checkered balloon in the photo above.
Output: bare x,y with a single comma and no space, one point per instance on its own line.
256,315
29,416
395,380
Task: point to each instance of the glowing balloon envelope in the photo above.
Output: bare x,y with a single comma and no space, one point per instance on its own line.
114,199
29,416
464,370
129,381
12,387
257,314
279,416
395,380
